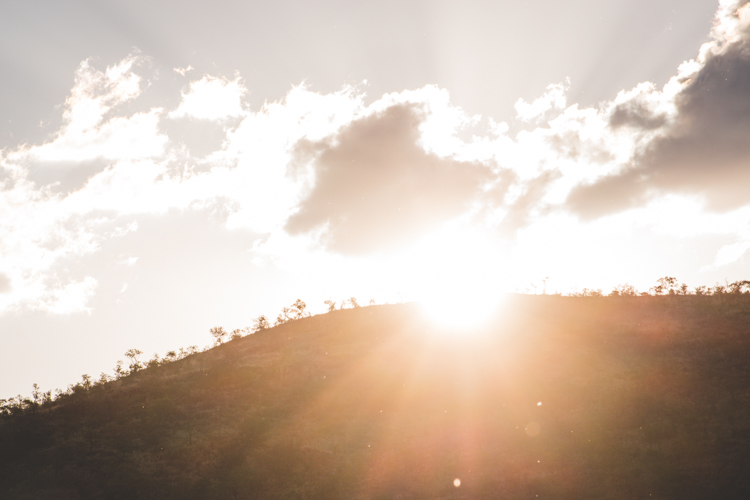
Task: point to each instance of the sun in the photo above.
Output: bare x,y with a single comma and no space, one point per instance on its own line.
461,281
459,310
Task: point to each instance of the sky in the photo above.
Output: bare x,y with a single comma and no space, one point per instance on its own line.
167,167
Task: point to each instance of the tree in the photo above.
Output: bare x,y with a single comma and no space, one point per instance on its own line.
331,305
36,394
284,316
624,290
299,309
739,287
667,284
135,363
236,334
354,303
119,372
588,293
37,397
154,361
261,323
218,333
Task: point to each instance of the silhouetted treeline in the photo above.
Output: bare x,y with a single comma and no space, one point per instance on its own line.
298,310
670,286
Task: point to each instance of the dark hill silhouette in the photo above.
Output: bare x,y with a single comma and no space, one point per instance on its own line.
641,397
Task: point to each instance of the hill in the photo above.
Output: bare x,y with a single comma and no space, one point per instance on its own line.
558,397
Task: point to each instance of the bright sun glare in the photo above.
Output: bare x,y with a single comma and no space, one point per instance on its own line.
461,280
460,310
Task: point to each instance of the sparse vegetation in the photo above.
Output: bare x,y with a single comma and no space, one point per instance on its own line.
219,334
260,323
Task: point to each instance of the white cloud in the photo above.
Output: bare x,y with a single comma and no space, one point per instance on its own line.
49,294
86,134
68,299
96,92
121,138
212,98
256,180
552,100
127,260
729,254
183,71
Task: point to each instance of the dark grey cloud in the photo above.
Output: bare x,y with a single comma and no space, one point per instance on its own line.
609,195
376,186
706,151
638,114
4,283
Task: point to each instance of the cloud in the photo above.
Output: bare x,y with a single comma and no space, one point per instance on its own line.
326,179
375,186
92,135
106,169
520,210
731,253
310,171
211,98
5,285
641,108
552,100
609,195
183,71
68,299
128,261
88,132
197,138
698,125
48,202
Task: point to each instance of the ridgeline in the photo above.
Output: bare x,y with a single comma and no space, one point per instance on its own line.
558,397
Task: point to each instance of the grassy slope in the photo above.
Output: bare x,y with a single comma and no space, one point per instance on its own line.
642,397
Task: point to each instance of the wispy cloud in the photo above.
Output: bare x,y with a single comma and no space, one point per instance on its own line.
730,253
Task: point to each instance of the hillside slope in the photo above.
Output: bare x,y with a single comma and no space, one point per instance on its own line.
559,397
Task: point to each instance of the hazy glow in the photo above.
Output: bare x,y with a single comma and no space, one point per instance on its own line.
461,309
460,282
